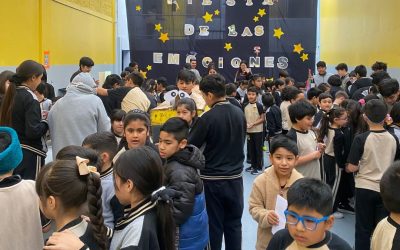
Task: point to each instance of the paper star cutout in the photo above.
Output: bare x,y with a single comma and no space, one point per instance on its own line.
158,27
144,74
256,19
261,12
163,37
208,17
297,48
304,57
138,8
149,67
216,12
228,46
278,33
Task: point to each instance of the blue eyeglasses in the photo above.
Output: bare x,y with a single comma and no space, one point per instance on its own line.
309,223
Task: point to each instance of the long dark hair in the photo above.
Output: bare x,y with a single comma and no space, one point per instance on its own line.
25,71
4,77
61,179
356,123
327,119
147,175
189,104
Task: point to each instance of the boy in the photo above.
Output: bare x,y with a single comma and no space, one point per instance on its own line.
395,115
322,76
256,82
273,116
342,71
181,166
242,90
279,86
301,114
290,95
19,204
255,117
301,86
340,96
389,89
230,90
105,144
161,89
186,82
312,96
290,82
85,66
371,154
335,83
387,235
222,175
276,180
45,104
308,219
325,101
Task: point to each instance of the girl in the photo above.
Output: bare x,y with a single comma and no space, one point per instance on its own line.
64,187
136,132
211,69
186,109
243,73
117,123
335,157
148,224
5,78
21,111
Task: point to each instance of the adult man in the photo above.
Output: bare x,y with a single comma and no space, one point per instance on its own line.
193,65
221,132
322,76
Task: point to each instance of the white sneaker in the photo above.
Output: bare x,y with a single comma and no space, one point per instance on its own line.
338,215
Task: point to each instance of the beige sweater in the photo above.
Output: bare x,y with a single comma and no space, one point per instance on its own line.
20,227
262,201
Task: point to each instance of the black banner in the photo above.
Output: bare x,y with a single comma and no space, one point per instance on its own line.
206,29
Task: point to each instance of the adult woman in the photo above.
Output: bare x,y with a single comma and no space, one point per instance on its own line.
21,111
243,73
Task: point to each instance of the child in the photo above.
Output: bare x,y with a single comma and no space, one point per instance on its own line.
19,206
386,234
161,89
231,93
291,82
276,180
290,95
273,116
308,219
182,163
334,159
325,101
186,109
64,188
256,82
45,104
279,86
312,96
395,115
242,90
255,118
185,82
324,87
105,144
335,82
371,154
340,96
301,114
136,132
117,123
389,89
301,86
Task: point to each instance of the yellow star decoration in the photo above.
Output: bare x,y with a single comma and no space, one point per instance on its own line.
149,67
256,19
163,37
278,33
270,79
228,46
158,27
216,12
261,12
304,57
208,17
297,48
144,74
138,8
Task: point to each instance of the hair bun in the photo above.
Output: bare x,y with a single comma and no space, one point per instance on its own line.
16,79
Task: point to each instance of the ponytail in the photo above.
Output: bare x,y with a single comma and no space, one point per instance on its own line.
7,106
96,210
327,119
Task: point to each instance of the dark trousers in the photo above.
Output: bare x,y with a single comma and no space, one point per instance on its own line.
332,175
346,187
369,211
30,166
255,148
224,199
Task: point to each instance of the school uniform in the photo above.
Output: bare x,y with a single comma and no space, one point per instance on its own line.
252,112
129,98
138,229
274,121
386,235
277,96
282,240
84,231
221,132
373,152
286,122
262,201
318,118
307,143
234,101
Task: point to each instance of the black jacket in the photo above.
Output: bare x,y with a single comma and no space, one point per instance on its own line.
360,83
181,174
274,121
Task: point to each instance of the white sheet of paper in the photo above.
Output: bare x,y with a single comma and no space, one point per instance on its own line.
280,207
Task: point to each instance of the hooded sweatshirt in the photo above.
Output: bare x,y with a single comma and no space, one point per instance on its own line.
78,114
189,210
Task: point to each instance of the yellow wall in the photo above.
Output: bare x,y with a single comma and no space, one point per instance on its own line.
360,32
68,29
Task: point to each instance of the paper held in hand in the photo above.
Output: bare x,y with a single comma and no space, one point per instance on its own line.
280,207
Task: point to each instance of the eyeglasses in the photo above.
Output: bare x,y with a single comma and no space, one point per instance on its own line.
309,223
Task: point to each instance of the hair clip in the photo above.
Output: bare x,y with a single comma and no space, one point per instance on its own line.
83,168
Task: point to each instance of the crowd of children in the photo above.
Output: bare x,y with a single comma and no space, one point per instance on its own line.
332,141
